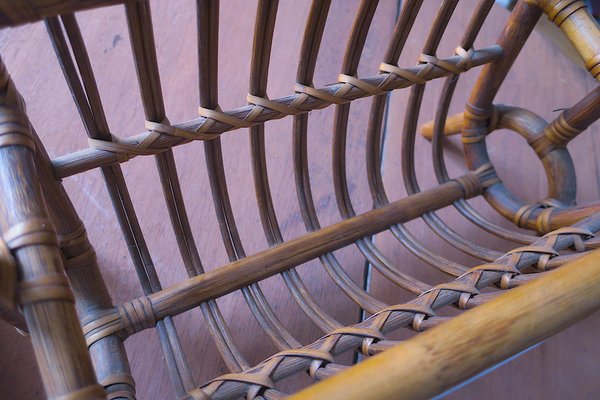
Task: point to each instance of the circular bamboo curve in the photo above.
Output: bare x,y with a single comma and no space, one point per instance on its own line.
72,274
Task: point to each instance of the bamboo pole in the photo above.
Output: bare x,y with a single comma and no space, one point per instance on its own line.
444,356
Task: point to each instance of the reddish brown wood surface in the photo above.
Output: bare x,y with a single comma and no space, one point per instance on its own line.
542,80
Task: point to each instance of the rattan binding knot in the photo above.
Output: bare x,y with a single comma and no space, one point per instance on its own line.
353,81
421,312
114,380
577,234
306,91
282,109
137,315
78,237
164,127
14,128
545,208
474,182
486,121
462,66
101,325
318,357
559,132
30,233
256,382
410,77
507,270
45,288
487,175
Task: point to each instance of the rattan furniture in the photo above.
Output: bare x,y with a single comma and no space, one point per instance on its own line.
51,286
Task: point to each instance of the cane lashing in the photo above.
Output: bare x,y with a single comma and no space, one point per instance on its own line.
112,324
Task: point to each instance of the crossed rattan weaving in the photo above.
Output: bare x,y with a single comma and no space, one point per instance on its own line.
50,279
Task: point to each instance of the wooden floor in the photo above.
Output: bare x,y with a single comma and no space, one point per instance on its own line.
543,80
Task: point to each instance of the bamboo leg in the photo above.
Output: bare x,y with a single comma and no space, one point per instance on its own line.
44,291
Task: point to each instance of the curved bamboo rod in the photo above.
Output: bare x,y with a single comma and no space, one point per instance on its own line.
308,54
81,81
369,249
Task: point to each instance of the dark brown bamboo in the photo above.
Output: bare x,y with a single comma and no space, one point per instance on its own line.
34,196
180,297
314,24
45,296
208,40
90,158
342,113
20,12
139,21
82,84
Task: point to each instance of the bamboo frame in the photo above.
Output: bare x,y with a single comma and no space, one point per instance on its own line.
44,237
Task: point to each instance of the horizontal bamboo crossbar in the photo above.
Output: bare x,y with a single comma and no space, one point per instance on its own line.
444,356
185,295
153,142
213,284
366,332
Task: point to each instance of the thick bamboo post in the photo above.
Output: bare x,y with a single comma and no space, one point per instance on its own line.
44,293
442,357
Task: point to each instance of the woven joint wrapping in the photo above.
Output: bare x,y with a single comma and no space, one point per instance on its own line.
545,208
461,290
30,233
77,237
484,121
125,320
14,129
306,98
46,288
559,132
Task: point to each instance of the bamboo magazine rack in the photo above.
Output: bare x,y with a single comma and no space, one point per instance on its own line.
51,279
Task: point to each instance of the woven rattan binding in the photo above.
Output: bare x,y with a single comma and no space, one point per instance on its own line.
80,347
